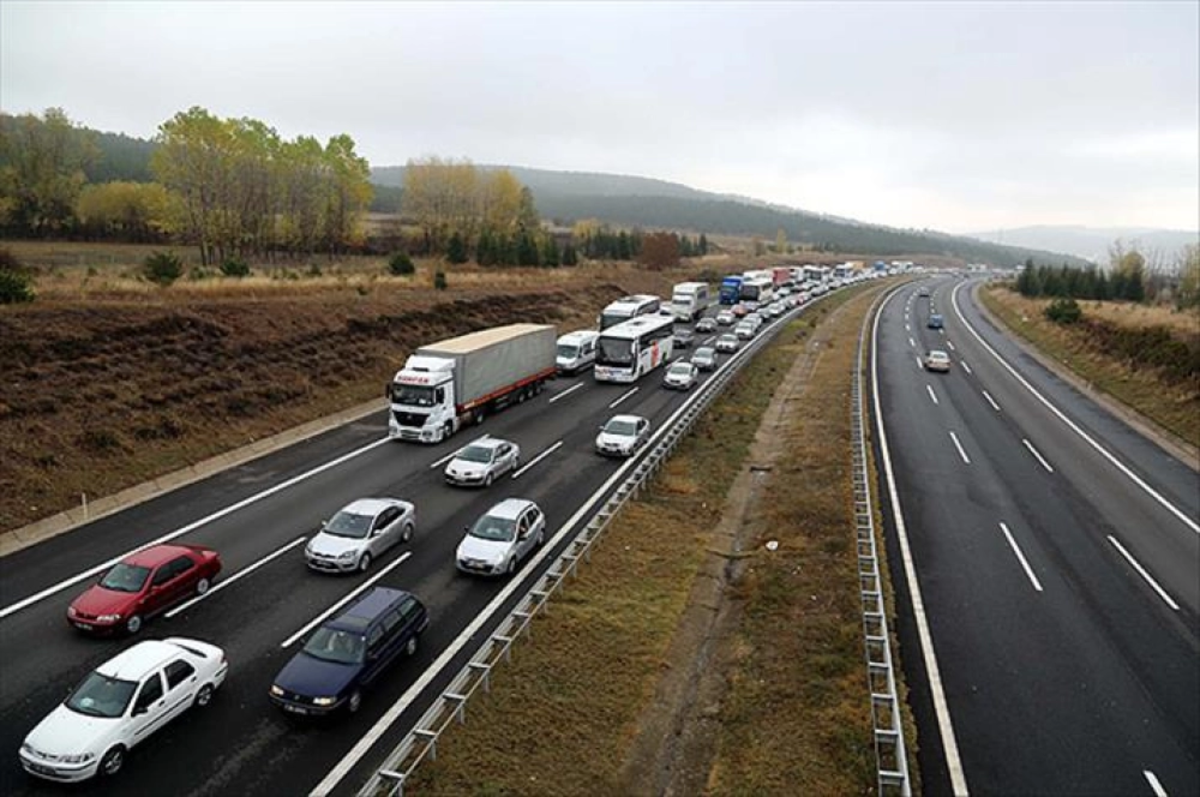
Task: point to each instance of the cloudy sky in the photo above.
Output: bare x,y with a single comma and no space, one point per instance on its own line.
955,116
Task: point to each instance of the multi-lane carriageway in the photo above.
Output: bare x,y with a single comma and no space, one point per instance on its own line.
257,516
1057,556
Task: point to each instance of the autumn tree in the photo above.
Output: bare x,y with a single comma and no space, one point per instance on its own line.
44,161
659,250
137,212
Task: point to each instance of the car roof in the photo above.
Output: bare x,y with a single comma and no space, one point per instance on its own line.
368,506
360,615
483,442
704,350
155,555
579,336
510,508
939,354
133,663
627,418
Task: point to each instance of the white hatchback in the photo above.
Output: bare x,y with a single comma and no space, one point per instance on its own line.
119,704
482,462
499,540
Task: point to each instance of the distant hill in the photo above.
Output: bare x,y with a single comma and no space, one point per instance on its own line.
1091,243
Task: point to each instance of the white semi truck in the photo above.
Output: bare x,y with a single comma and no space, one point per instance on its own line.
445,385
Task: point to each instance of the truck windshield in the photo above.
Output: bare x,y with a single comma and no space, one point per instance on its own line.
614,351
413,395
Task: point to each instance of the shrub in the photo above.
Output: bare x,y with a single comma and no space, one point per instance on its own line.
401,265
1064,311
15,287
162,268
233,267
439,280
313,270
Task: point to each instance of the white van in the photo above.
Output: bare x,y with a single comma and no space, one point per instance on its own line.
576,351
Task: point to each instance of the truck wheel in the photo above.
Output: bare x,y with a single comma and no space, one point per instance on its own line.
480,414
447,430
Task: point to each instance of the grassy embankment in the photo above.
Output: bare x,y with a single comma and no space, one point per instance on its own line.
563,717
1172,404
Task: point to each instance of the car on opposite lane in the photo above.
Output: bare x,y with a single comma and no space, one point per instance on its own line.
622,435
360,532
681,376
119,705
482,462
937,360
142,585
497,542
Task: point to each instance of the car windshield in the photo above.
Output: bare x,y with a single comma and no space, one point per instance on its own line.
567,352
621,427
101,696
348,524
489,527
475,454
332,644
727,339
680,369
703,354
413,395
125,578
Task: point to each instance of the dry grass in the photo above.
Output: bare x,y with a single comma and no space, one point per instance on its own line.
561,718
1176,408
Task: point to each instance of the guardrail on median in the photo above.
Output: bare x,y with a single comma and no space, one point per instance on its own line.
421,742
890,754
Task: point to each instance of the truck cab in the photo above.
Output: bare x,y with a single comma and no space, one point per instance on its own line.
423,401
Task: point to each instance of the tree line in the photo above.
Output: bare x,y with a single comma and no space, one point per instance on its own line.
1128,278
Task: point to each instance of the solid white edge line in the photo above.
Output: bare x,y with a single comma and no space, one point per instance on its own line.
368,740
1035,452
966,367
179,532
1193,525
1155,786
566,392
245,571
349,597
958,778
1142,572
958,445
932,395
988,396
538,459
454,453
1021,556
623,396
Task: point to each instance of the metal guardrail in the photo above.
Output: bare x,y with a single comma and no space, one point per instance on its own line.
890,752
421,742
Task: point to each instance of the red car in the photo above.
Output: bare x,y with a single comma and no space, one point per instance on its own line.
142,585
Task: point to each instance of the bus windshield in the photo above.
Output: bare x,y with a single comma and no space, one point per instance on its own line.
614,351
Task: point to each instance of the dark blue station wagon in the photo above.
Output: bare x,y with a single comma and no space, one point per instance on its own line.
346,654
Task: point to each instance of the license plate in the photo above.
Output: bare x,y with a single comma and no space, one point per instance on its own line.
41,770
84,626
295,709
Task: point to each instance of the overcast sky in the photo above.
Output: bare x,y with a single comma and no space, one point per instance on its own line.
953,116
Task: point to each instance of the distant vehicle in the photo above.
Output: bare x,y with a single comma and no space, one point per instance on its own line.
683,337
629,351
754,318
758,289
728,343
359,533
482,462
689,300
576,351
937,361
626,308
622,435
731,290
923,293
705,358
725,318
445,385
346,655
936,321
745,330
741,310
142,585
706,325
816,274
119,705
498,541
681,376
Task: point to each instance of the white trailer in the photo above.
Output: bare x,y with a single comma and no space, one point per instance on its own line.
689,300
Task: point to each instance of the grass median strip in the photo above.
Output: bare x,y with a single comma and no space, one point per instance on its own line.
625,684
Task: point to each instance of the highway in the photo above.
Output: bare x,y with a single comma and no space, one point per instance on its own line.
257,516
1057,557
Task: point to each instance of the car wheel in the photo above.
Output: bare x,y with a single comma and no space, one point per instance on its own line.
355,702
202,586
364,562
516,466
512,566
133,624
204,696
411,648
406,535
541,538
112,761
487,480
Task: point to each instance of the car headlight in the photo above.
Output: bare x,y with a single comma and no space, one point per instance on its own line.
348,555
76,758
109,618
277,690
324,701
71,611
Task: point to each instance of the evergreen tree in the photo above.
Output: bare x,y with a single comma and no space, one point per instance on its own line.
527,251
569,258
624,250
550,252
703,244
456,249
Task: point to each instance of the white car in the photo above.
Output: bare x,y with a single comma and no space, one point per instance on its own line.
119,705
499,540
937,360
360,532
622,435
726,317
728,343
481,462
680,376
744,330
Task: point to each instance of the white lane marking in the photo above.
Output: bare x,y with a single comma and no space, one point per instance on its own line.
349,597
1176,511
958,445
709,340
988,396
912,343
1040,458
907,328
538,459
1024,563
566,392
179,532
624,396
920,364
1142,572
932,395
958,778
245,571
966,367
1155,786
950,345
455,453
